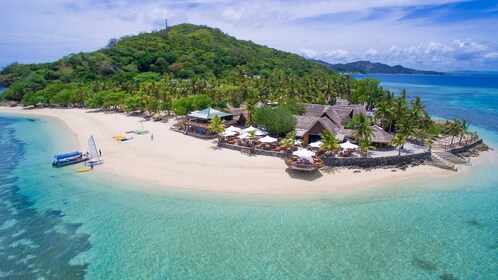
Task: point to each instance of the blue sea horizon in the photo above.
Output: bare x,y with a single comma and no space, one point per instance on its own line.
57,224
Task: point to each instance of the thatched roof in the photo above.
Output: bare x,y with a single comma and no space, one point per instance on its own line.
305,122
328,124
380,136
315,110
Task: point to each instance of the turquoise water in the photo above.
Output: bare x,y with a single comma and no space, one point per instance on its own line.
58,224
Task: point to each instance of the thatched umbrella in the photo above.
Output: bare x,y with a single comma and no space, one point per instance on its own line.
157,117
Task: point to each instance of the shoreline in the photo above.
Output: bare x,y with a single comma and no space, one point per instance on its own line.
176,161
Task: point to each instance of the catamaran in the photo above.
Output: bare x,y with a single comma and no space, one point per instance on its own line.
95,157
69,158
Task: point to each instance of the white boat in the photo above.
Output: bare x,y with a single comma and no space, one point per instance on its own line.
95,158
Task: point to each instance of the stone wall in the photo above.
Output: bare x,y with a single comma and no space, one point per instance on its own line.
338,161
465,148
377,161
254,151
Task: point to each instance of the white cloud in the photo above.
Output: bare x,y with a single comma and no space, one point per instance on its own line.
460,54
372,52
309,53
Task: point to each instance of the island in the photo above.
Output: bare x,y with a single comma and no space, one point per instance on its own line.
367,67
211,102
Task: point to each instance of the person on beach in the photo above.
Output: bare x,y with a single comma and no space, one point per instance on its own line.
152,137
100,152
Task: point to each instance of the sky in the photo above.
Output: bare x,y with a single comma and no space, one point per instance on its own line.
442,35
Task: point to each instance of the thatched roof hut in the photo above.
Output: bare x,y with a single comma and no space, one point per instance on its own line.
380,136
157,117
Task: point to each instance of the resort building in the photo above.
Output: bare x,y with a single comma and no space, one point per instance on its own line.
197,122
326,117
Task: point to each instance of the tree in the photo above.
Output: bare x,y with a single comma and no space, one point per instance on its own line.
360,124
201,101
329,141
250,106
275,120
295,107
398,141
405,127
182,106
364,146
133,103
216,125
453,129
289,141
463,129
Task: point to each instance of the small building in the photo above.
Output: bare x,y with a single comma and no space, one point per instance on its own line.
197,122
309,128
380,138
326,117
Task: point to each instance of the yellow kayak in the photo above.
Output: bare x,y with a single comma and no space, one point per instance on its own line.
119,137
84,170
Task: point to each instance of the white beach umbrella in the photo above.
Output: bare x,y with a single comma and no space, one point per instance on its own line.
228,133
268,139
232,128
243,136
317,144
348,145
303,153
251,128
260,132
257,131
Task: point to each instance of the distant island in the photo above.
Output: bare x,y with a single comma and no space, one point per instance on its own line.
367,67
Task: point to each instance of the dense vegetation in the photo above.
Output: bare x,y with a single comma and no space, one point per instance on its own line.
189,67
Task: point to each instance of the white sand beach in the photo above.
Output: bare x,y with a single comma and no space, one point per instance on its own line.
179,161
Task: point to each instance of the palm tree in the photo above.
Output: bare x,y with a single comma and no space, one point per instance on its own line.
464,126
216,125
250,106
360,124
398,141
289,140
405,127
453,129
329,141
364,145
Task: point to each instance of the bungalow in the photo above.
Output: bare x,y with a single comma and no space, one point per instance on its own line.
309,128
197,122
326,117
380,137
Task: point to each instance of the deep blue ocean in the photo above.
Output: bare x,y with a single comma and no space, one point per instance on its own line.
57,224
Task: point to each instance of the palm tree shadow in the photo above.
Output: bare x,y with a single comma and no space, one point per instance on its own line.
214,146
305,176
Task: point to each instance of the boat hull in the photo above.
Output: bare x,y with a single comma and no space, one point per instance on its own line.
69,162
94,162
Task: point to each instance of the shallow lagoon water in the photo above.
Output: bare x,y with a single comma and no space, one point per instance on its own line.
58,224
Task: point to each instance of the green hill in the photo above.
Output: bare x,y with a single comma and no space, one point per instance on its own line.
184,51
164,70
367,67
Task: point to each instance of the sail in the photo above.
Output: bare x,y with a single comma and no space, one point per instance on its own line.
92,149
